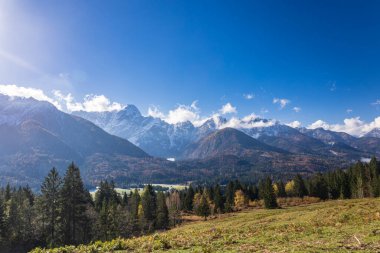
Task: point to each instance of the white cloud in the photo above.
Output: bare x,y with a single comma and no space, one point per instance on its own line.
180,114
353,126
249,121
13,90
377,102
250,117
319,124
228,108
281,101
249,96
154,112
349,110
294,124
91,103
297,109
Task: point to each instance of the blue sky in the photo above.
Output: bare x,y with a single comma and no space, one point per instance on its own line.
322,57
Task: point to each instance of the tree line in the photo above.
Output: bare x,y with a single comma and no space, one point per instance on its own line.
64,212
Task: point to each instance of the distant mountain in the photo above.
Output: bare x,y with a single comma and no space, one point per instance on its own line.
228,141
328,137
373,133
155,136
36,136
230,153
159,138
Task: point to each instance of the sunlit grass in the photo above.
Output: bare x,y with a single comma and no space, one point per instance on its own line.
332,226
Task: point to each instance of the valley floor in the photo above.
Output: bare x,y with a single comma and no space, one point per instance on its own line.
332,226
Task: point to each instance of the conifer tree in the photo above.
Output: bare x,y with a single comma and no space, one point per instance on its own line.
8,193
162,221
73,211
51,205
3,225
203,209
125,200
230,193
299,186
320,187
189,199
133,207
375,180
268,194
218,199
281,189
345,191
149,203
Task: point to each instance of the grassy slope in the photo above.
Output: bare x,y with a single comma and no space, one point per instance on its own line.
324,227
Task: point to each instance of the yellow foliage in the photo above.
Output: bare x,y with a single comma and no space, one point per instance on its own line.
289,187
240,200
140,210
275,189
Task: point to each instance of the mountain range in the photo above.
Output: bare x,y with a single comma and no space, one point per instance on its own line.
161,139
128,147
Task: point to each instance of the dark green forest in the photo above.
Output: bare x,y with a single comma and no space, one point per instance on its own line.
65,213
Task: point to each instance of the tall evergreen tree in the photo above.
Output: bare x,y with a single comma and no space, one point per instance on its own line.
375,180
51,205
73,211
319,187
188,203
162,221
203,208
230,194
281,189
3,225
345,190
8,192
267,192
149,203
299,186
133,207
218,199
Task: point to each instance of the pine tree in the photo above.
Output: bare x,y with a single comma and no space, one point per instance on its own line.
281,189
50,207
374,172
203,209
149,203
3,225
334,185
13,221
188,203
8,193
299,186
321,188
125,200
253,192
218,200
133,207
230,193
106,192
346,192
73,211
268,194
162,221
